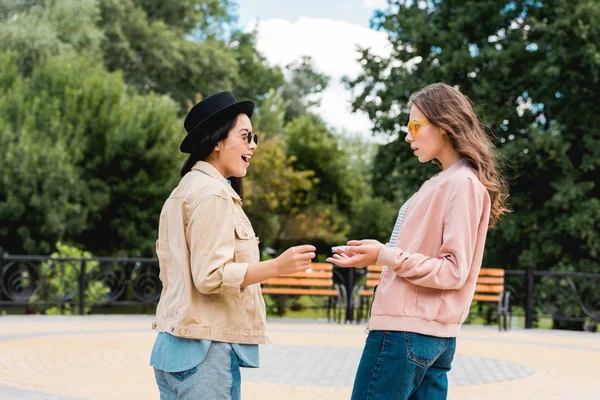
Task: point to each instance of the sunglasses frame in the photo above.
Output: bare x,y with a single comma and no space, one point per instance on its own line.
251,137
413,125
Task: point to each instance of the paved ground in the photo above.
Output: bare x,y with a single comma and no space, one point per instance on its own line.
106,357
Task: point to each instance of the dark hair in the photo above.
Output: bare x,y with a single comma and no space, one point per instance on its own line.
205,145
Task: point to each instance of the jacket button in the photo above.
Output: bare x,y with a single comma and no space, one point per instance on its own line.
182,332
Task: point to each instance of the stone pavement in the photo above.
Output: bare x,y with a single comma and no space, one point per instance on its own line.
106,357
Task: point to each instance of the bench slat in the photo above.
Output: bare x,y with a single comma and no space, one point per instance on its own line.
314,292
372,282
491,272
375,268
373,275
485,280
486,297
321,267
314,275
298,282
489,288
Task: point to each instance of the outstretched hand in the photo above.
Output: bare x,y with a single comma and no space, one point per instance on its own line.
358,254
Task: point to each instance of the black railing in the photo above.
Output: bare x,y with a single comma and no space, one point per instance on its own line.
81,283
565,297
78,283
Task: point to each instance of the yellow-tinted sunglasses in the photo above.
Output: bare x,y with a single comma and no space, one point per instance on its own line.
413,125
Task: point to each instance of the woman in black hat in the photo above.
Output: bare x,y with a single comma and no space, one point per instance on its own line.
211,314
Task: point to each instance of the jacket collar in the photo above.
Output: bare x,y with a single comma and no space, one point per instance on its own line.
211,171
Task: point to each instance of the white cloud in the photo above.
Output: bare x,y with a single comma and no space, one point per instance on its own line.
375,4
333,47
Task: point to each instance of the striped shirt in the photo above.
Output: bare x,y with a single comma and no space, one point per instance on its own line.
399,221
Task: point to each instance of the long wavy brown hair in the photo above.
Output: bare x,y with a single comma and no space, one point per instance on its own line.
449,109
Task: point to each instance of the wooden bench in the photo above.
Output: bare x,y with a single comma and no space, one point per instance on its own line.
489,288
316,281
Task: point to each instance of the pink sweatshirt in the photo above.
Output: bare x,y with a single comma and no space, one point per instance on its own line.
432,270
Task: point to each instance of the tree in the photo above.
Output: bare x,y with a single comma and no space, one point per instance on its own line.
370,216
315,148
38,28
202,18
302,90
274,190
41,192
155,54
83,158
256,78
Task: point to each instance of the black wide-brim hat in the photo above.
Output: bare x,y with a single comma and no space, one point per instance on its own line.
210,113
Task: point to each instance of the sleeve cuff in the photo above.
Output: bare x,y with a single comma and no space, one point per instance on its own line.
233,276
388,256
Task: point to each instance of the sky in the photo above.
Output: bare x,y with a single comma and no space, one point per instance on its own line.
353,11
327,30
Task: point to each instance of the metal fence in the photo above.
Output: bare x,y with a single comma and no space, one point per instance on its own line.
563,296
82,283
78,283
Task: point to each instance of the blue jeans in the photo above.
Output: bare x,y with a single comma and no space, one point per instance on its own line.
217,377
403,366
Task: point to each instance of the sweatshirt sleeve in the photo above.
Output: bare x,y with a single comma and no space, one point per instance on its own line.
462,216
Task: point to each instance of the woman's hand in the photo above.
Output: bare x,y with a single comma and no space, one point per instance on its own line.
295,259
358,254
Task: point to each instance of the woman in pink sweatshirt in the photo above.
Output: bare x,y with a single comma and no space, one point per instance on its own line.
434,254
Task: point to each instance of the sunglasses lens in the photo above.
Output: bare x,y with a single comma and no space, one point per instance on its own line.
252,137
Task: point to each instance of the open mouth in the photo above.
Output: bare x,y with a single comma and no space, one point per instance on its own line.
246,159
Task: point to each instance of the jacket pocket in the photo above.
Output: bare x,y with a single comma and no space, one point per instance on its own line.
423,349
244,232
245,244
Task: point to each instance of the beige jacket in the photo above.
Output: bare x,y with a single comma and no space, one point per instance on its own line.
205,244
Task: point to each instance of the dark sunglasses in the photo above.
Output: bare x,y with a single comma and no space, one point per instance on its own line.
251,137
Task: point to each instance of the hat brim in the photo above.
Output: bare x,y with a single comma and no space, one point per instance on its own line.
241,107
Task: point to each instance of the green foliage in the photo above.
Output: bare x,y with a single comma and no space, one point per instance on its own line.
256,78
42,196
316,148
39,29
269,115
155,56
94,156
302,90
206,18
373,218
274,190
